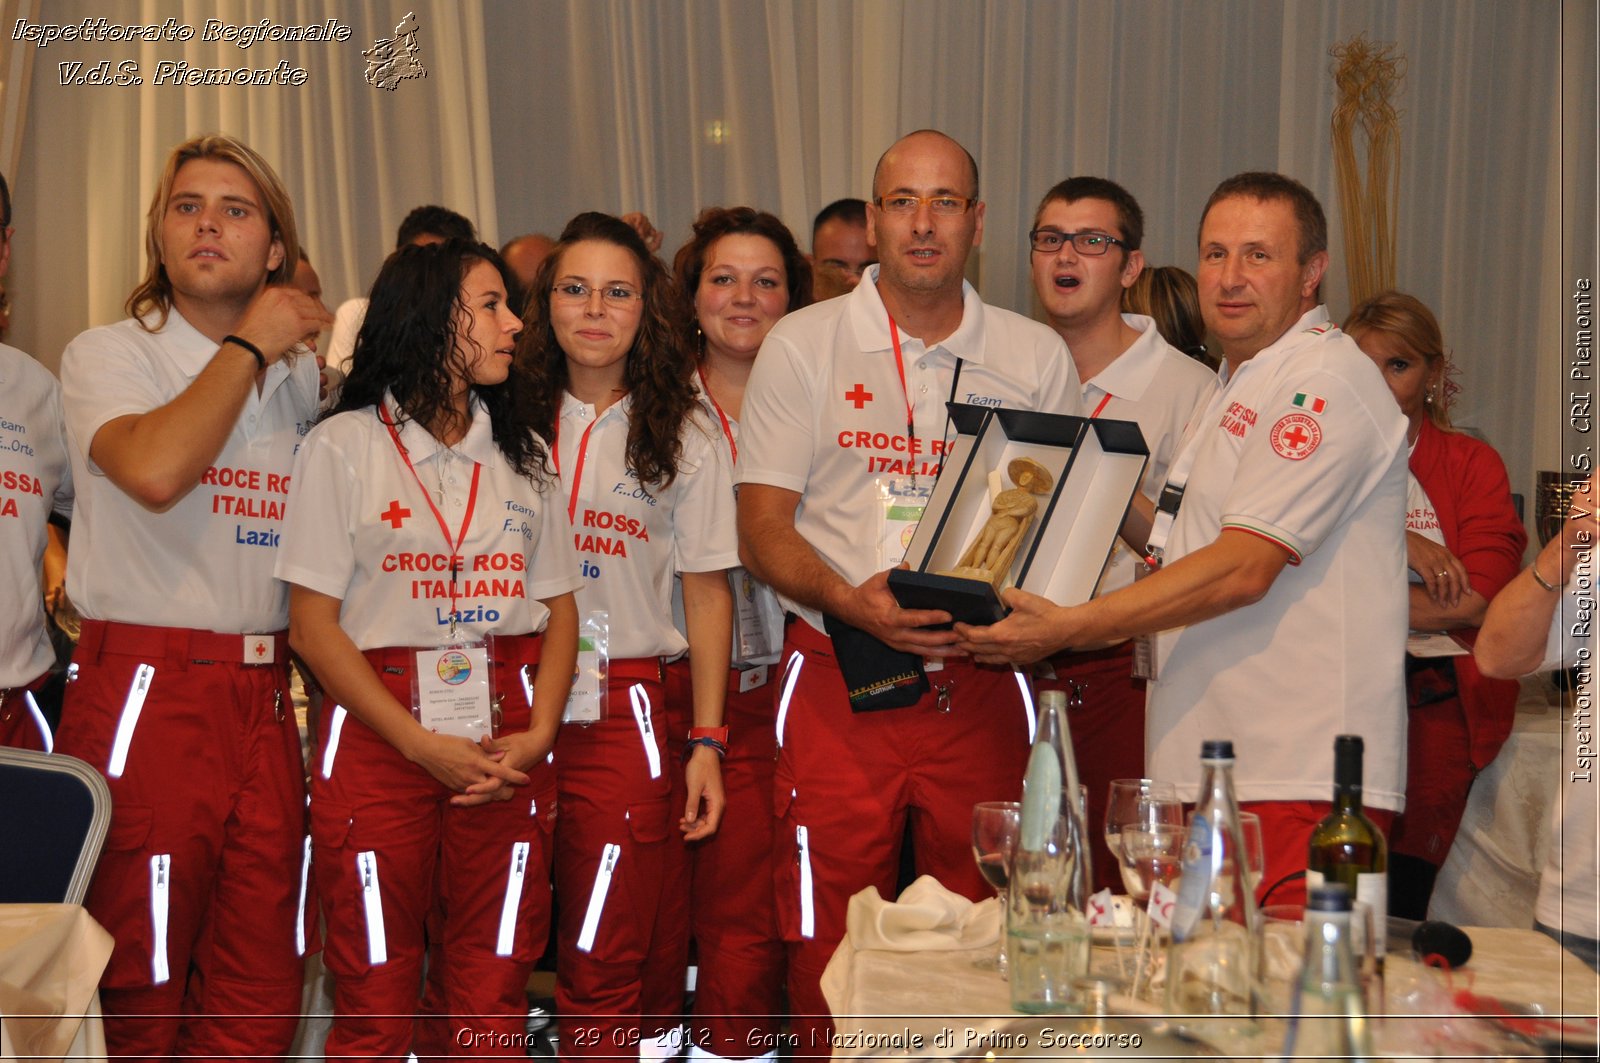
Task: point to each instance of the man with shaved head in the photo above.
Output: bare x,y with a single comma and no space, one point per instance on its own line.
845,418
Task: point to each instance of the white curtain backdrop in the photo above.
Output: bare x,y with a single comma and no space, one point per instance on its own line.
536,109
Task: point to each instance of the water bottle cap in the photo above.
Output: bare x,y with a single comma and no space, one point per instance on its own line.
1330,897
1216,749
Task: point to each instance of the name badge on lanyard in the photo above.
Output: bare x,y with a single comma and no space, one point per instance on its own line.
753,637
586,702
450,690
449,683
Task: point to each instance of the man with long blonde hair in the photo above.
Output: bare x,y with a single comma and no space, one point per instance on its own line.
182,424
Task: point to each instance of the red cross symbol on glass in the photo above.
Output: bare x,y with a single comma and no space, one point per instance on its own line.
859,395
396,515
1295,438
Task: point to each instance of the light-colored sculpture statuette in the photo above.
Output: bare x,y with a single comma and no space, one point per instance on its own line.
988,558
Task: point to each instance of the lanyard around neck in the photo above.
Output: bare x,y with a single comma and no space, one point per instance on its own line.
905,390
727,427
577,471
427,496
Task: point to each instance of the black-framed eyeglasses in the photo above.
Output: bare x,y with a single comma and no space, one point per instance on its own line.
1085,243
611,294
905,203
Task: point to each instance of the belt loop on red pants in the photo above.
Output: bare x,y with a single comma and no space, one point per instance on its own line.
648,669
180,645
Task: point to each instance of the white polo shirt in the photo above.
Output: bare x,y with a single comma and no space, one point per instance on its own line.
205,563
825,411
759,596
1161,388
631,539
1303,446
35,480
360,529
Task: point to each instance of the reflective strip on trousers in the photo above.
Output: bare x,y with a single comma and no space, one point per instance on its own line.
647,733
300,909
1027,702
791,676
160,900
609,858
39,721
131,708
335,729
808,915
508,908
372,902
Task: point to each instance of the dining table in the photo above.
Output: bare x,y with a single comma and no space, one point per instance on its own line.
1519,996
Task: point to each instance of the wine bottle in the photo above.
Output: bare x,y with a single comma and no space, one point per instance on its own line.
1348,848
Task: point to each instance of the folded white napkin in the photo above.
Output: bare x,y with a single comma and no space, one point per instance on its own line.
927,916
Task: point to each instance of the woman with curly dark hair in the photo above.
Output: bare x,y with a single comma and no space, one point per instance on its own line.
649,491
432,597
739,274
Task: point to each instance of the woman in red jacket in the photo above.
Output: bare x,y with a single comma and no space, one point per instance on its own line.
1464,541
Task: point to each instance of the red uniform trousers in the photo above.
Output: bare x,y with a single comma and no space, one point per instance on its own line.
1286,828
1107,735
846,782
202,879
402,874
613,977
22,725
1439,776
738,1001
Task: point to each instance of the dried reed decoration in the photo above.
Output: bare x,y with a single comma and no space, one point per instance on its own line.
1366,79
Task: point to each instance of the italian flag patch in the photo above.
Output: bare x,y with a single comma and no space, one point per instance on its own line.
1314,403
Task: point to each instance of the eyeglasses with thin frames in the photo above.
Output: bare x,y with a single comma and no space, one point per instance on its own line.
613,295
1049,241
905,203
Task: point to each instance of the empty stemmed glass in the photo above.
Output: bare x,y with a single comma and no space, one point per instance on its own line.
994,835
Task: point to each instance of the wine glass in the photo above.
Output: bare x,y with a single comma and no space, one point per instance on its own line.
1152,846
995,825
1123,806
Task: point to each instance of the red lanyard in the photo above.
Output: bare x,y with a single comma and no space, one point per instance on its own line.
727,429
1100,407
577,473
911,421
427,496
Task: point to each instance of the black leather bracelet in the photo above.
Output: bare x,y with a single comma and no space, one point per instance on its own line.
261,359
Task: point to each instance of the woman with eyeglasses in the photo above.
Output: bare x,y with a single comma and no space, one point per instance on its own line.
649,493
1464,542
431,593
739,273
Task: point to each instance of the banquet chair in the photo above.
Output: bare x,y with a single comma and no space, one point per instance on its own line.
54,810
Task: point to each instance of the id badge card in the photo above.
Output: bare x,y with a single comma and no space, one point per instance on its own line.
901,503
1144,646
586,702
753,637
450,690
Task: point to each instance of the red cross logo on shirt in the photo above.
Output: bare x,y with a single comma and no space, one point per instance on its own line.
858,395
1295,436
396,514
